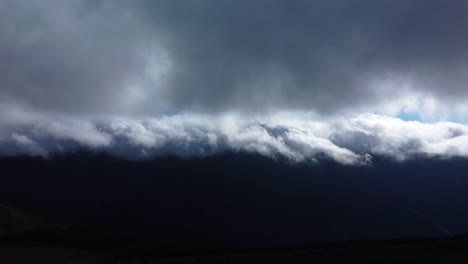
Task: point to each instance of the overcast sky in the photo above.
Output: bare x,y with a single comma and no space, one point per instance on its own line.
292,78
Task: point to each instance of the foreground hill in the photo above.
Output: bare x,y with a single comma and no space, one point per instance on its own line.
13,220
240,200
63,247
235,201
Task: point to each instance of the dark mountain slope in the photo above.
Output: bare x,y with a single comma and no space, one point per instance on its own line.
240,200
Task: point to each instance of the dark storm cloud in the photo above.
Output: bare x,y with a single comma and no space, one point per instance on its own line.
72,56
123,57
319,55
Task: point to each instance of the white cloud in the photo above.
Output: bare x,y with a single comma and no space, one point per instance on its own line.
43,126
298,137
402,139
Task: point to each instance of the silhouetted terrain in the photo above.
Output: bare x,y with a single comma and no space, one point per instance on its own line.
13,220
240,201
63,247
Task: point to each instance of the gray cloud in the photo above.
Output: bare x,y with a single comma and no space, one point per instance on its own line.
318,55
71,56
25,144
152,57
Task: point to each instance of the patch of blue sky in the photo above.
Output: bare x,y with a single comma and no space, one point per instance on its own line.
416,116
405,116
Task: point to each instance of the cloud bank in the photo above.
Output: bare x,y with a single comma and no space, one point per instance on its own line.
295,137
297,79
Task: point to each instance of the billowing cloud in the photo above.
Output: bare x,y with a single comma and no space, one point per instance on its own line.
296,137
296,79
400,139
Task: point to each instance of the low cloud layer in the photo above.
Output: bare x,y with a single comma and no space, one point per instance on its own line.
297,137
297,79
